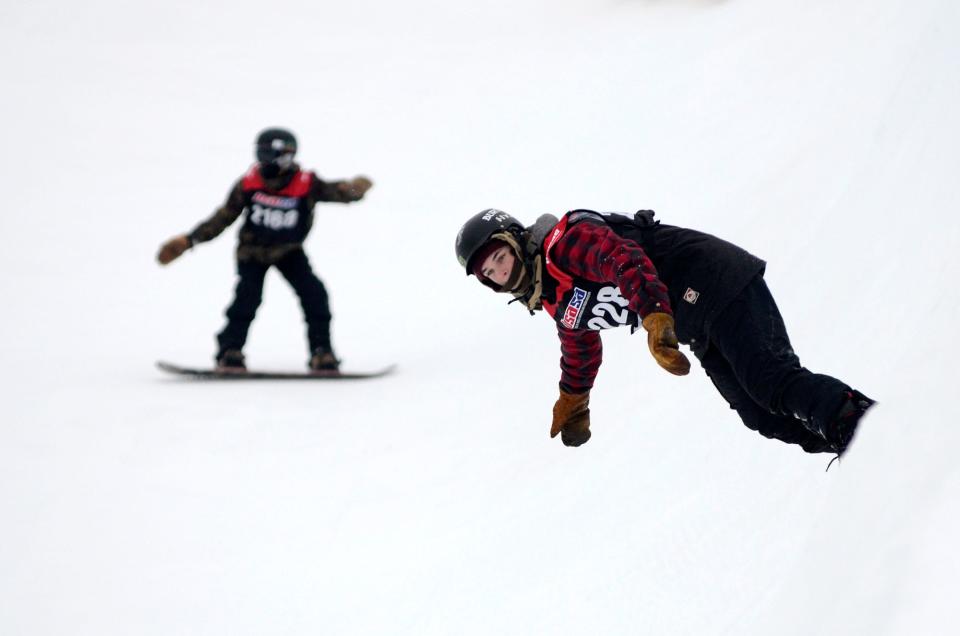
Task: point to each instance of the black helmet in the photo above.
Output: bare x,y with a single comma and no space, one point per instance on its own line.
276,147
478,231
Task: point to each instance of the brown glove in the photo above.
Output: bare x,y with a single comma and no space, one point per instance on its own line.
662,340
172,249
355,188
571,418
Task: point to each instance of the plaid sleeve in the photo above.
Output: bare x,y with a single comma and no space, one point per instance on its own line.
591,250
581,353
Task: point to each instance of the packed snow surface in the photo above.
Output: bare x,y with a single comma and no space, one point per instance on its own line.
822,136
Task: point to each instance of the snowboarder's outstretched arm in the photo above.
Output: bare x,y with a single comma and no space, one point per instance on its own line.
225,215
581,352
344,191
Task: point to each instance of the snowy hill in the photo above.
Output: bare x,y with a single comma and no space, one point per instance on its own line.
821,136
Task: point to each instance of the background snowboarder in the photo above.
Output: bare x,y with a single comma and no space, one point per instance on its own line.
277,199
591,271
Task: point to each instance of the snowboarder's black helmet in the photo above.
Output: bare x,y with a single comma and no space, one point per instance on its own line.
478,230
276,146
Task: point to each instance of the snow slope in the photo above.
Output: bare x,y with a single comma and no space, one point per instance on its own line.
820,135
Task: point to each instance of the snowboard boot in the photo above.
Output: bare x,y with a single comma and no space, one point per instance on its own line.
839,432
323,360
231,361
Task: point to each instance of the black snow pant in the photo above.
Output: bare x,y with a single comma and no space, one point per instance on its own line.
748,357
295,268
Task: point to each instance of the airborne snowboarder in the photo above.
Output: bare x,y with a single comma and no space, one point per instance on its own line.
277,199
591,271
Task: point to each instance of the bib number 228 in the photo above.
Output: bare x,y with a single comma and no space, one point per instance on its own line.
610,310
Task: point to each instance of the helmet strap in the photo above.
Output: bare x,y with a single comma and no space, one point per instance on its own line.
531,295
526,279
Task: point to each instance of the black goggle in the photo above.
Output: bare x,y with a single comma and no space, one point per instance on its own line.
277,153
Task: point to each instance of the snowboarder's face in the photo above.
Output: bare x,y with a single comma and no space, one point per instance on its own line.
498,265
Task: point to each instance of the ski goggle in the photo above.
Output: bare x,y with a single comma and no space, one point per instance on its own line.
278,153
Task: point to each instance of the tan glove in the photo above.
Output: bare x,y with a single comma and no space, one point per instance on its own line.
172,249
662,340
571,418
355,188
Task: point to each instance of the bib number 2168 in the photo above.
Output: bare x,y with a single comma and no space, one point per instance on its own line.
273,218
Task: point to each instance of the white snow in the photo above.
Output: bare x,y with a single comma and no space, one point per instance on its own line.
822,135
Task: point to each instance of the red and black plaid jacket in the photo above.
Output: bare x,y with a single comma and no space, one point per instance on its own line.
590,250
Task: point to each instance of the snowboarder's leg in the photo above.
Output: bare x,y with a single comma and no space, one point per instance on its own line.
243,309
774,426
313,298
751,336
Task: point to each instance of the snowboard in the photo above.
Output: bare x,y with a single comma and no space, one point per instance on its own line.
213,374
